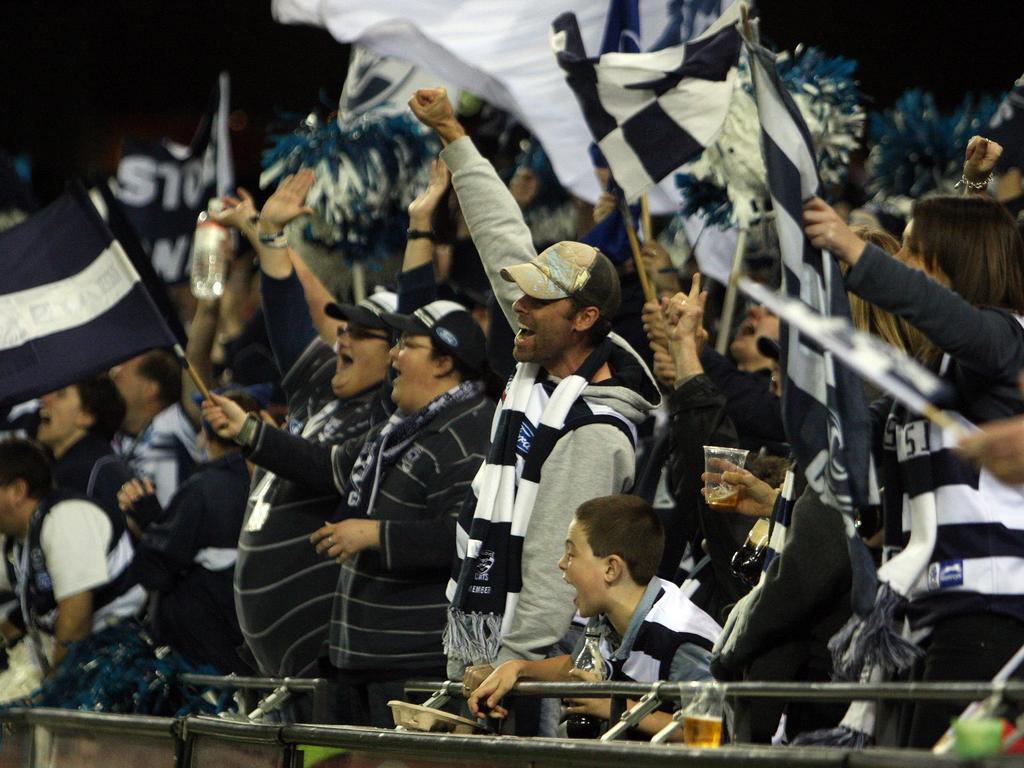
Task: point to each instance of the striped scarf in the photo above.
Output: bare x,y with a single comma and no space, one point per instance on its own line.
487,575
382,450
872,648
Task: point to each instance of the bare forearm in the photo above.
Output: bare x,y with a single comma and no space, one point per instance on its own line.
74,621
655,721
418,250
450,131
553,670
687,360
201,335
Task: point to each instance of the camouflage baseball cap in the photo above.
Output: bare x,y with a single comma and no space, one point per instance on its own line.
569,269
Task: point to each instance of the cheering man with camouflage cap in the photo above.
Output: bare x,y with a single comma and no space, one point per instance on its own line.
563,433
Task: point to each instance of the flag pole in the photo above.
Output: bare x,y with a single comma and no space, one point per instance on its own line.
729,307
179,353
634,245
183,361
646,227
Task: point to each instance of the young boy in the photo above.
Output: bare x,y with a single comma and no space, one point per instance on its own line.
649,629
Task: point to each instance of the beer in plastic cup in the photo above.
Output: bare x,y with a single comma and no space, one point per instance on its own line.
702,717
719,494
702,730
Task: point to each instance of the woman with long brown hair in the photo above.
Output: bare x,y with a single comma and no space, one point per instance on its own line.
964,290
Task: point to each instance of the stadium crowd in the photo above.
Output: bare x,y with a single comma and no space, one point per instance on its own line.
466,472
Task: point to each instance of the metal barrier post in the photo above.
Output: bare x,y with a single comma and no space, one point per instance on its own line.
647,704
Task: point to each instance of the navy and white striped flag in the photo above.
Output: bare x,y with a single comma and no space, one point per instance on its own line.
652,112
823,404
1007,127
71,304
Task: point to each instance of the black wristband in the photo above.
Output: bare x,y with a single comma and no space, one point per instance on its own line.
416,234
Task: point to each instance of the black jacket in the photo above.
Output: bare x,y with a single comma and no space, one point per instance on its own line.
698,417
389,607
187,559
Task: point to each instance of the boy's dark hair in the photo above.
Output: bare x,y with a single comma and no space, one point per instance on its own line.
162,368
102,400
626,526
25,460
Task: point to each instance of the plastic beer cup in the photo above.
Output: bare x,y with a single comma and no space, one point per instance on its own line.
702,718
719,494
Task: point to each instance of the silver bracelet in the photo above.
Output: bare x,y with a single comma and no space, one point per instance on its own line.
973,186
277,240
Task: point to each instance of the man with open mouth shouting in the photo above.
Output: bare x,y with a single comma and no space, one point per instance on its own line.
570,410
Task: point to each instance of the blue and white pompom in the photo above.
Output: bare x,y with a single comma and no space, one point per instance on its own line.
120,669
917,149
828,98
367,173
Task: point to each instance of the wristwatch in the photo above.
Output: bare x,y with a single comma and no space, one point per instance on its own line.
246,436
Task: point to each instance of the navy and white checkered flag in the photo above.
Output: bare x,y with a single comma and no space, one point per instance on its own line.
652,112
823,404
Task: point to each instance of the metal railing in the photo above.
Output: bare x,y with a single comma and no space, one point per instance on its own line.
1011,691
281,691
649,697
205,742
49,738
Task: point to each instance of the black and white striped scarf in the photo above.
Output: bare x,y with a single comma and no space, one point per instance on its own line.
487,576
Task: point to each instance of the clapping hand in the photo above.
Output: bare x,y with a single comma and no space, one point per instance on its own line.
421,210
288,202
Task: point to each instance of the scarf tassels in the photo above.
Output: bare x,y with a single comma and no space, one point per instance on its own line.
484,589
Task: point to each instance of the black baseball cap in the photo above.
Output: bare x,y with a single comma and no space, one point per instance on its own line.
367,312
451,327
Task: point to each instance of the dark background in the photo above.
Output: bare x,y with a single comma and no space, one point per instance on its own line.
76,77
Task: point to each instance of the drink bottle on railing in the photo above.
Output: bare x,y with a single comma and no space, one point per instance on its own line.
589,660
210,247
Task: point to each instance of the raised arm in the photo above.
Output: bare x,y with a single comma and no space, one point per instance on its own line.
290,456
288,305
493,216
980,160
988,341
417,282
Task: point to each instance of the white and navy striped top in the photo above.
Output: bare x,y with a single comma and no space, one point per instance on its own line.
668,638
977,564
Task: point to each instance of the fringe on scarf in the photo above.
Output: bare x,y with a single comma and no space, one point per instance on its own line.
473,637
840,736
874,639
856,731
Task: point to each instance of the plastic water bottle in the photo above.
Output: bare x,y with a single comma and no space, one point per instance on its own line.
210,247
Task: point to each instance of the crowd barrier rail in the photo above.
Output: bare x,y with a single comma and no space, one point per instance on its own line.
280,691
47,738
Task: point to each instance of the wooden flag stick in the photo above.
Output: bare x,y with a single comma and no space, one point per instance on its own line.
183,360
729,307
634,245
646,227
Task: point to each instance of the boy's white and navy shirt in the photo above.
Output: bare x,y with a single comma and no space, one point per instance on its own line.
668,638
